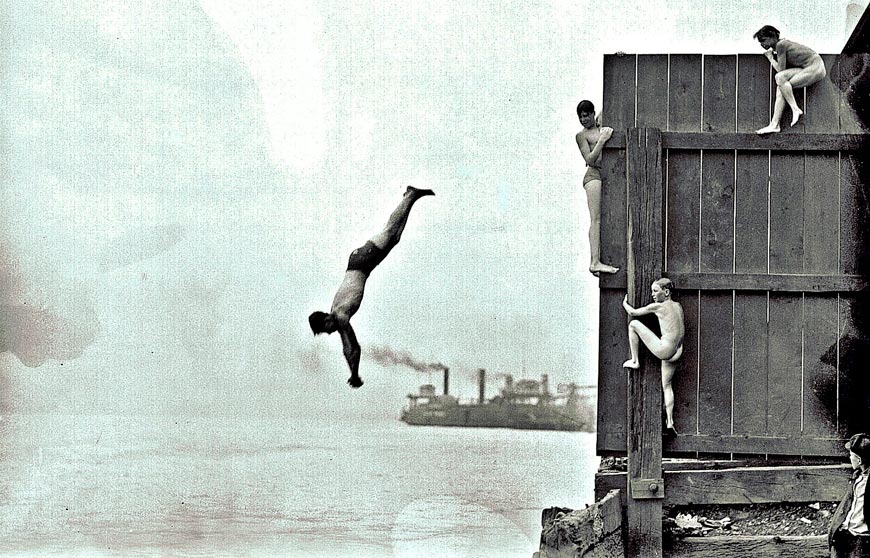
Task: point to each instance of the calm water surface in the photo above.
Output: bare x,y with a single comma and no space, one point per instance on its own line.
148,486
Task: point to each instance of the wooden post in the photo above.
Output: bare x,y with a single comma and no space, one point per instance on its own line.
645,485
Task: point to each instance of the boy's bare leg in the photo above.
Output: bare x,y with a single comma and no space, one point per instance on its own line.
634,345
668,369
778,108
788,95
638,332
392,232
593,200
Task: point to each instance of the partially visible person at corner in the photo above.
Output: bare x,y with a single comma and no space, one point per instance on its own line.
848,536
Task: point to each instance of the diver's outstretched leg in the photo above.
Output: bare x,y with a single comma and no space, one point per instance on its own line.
392,233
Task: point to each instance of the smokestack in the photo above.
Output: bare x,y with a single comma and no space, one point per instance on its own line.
481,385
446,380
508,383
545,384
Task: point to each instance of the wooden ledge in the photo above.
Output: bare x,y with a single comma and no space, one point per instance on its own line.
744,485
752,141
756,546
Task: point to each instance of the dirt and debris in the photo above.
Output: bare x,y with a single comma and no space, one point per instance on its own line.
751,519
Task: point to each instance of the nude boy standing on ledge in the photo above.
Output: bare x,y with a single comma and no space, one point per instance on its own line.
668,348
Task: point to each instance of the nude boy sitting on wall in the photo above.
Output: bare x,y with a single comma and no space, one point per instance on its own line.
668,348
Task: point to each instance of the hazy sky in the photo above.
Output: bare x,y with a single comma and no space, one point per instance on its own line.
184,181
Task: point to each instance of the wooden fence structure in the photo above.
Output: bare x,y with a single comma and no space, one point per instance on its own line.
763,238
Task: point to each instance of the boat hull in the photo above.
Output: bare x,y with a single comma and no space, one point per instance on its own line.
519,416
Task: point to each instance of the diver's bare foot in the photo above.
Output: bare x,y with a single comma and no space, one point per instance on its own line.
669,432
417,192
633,364
769,129
595,269
795,116
354,382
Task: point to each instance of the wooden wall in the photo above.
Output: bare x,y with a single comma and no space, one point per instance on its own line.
768,240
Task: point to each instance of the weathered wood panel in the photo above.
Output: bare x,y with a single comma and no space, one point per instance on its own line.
751,251
717,248
744,485
692,141
753,96
618,112
785,310
772,219
757,547
685,382
821,246
750,364
652,80
784,364
790,445
853,349
683,226
645,255
780,282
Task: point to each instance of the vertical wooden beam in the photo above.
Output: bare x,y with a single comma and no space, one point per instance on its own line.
645,487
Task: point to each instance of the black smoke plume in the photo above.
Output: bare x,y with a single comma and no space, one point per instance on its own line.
386,356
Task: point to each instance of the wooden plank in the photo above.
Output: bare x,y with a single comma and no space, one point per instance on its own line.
714,356
854,215
852,351
784,364
692,141
652,80
619,91
685,382
753,94
820,377
684,93
720,94
750,363
781,282
791,445
683,211
852,354
785,381
643,515
717,248
755,546
612,386
619,113
717,212
683,172
744,485
821,245
751,219
750,382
